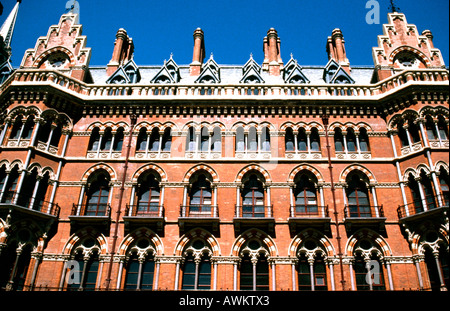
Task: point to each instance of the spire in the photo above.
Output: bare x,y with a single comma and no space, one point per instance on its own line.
7,29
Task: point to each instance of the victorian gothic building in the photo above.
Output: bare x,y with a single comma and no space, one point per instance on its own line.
262,176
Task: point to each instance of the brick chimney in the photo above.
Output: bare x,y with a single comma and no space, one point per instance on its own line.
199,53
271,47
122,53
336,49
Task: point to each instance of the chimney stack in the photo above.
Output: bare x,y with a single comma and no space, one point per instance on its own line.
336,49
122,53
199,53
272,58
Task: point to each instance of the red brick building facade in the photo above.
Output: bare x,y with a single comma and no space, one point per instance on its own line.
272,176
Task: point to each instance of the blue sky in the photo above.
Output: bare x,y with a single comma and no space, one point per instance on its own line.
233,29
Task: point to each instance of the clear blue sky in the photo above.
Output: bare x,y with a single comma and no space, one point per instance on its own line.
233,29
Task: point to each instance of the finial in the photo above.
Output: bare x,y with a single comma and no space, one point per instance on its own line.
393,8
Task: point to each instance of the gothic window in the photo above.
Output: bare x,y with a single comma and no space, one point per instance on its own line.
361,269
338,140
140,273
254,267
252,141
204,139
106,140
97,195
148,195
305,195
311,271
94,140
9,186
216,140
351,140
22,128
431,128
443,128
363,140
84,266
118,140
197,266
167,139
265,139
253,197
358,197
240,139
428,190
315,139
200,195
289,140
142,140
190,140
154,140
302,142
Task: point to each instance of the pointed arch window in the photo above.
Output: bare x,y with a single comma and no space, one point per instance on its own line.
254,267
358,197
196,267
97,196
361,268
289,140
140,273
305,196
167,139
253,198
315,139
148,196
87,270
338,140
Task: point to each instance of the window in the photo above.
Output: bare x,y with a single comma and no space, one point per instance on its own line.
240,139
444,181
190,140
252,141
302,140
358,198
254,275
253,198
289,140
431,128
154,140
200,196
144,281
167,140
10,186
363,140
148,195
415,193
204,140
318,274
265,139
197,274
443,128
118,140
88,274
338,140
216,140
98,196
305,197
142,140
315,140
351,140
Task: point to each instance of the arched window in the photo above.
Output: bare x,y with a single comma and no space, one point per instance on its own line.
415,193
197,266
402,134
289,140
106,140
265,139
16,128
302,142
363,140
443,128
315,139
305,196
141,144
311,272
431,128
254,267
118,140
190,139
28,128
97,196
361,269
240,139
253,197
85,271
338,140
414,131
10,186
428,190
140,273
252,143
94,140
200,196
351,140
148,195
204,140
154,140
216,140
167,139
358,197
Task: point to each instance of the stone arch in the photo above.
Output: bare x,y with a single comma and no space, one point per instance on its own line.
80,235
200,167
255,167
311,233
57,49
268,242
141,233
197,233
26,111
371,235
359,168
147,167
99,166
306,167
404,48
